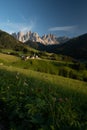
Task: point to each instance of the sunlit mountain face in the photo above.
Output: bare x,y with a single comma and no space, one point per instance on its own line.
48,39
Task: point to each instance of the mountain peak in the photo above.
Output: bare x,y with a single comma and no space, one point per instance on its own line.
34,36
48,39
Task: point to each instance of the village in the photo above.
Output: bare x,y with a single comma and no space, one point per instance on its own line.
34,56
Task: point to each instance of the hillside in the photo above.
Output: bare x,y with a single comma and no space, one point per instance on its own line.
62,68
35,101
36,45
76,48
34,96
9,42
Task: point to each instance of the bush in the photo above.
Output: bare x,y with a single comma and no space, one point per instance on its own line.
84,76
64,71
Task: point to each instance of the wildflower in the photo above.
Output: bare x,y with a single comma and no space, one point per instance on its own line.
32,89
60,100
66,99
8,87
17,75
54,99
25,83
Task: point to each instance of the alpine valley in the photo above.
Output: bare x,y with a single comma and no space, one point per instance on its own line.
43,82
74,47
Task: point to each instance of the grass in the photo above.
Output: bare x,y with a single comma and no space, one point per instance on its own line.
40,101
66,69
33,96
9,58
41,65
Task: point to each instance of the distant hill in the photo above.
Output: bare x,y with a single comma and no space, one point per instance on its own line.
7,41
36,45
76,47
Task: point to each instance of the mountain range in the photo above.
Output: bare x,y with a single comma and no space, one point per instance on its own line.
75,47
48,39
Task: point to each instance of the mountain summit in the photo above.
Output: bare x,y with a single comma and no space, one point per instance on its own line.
34,37
49,39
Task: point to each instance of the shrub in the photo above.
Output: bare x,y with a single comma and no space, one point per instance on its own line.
64,71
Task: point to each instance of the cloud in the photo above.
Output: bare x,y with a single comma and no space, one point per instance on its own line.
15,27
63,28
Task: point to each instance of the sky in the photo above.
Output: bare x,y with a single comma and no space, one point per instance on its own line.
58,17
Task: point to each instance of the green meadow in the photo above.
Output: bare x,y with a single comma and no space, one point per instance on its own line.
42,94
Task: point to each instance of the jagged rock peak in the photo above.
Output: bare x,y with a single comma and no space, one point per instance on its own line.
48,39
45,39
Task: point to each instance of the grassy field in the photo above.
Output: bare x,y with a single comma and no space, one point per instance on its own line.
65,69
40,101
34,97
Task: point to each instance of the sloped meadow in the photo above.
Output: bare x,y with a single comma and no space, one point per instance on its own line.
40,101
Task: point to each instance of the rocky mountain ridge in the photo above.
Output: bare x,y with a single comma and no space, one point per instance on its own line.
48,39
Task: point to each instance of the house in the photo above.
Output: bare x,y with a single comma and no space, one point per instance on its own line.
29,57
